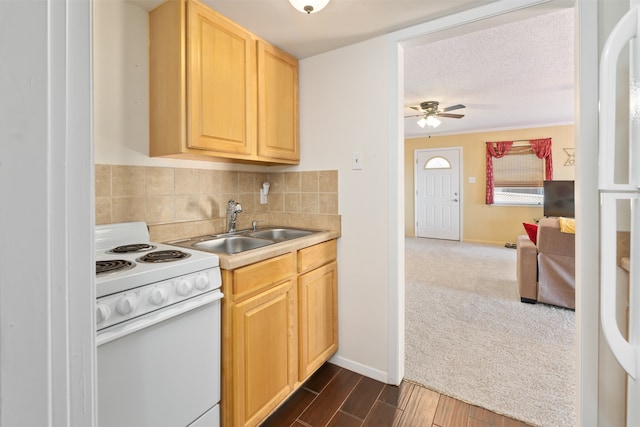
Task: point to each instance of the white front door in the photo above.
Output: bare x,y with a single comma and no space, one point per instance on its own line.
437,200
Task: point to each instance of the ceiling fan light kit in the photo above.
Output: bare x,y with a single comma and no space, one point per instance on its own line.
309,6
429,120
429,113
433,121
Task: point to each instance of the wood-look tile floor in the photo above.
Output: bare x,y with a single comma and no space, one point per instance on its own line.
337,397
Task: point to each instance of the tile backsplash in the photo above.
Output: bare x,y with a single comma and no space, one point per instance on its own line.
195,200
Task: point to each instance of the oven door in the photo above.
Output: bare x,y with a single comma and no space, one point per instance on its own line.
162,369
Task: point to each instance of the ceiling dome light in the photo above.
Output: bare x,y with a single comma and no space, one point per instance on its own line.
309,6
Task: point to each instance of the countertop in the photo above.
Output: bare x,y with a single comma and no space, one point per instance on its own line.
231,262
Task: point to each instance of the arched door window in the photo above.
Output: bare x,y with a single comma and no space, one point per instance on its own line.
437,162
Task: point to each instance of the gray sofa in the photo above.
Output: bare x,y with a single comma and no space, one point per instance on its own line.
546,270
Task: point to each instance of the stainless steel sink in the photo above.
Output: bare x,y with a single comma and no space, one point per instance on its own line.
231,244
280,233
242,241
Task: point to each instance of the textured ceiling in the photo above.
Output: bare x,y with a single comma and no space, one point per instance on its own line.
519,74
514,75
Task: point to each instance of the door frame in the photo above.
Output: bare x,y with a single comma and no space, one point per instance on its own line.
47,317
460,189
591,408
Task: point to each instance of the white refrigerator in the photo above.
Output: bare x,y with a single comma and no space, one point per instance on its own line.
619,194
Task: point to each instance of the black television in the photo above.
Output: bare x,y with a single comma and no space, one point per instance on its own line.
559,199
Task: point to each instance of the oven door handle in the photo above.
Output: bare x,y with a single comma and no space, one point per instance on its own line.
150,319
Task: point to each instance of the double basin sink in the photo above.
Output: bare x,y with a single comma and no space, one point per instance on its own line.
241,241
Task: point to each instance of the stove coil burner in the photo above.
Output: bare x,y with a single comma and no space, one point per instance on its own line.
113,266
127,249
163,256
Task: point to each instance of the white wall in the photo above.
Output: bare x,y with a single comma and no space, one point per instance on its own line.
120,85
24,135
336,90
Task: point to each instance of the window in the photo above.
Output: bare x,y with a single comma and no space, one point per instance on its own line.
518,177
437,163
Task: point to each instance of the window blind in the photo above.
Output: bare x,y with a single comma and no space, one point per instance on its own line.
519,168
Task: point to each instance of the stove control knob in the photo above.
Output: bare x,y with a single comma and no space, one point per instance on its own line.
103,312
184,287
126,305
202,282
158,296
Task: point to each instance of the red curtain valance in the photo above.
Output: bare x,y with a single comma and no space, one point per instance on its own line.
541,148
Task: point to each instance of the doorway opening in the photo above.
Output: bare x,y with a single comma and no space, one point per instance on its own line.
410,193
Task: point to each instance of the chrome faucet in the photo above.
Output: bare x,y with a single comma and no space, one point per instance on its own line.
233,209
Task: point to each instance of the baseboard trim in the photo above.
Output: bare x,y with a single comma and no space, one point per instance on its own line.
361,369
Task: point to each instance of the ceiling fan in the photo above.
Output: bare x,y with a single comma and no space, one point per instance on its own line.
429,113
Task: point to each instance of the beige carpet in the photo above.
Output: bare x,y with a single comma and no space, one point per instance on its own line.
469,336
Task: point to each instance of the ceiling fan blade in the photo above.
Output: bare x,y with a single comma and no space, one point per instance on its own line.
417,108
452,116
416,115
454,107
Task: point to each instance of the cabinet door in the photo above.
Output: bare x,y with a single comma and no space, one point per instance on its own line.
265,352
318,309
167,79
277,104
221,90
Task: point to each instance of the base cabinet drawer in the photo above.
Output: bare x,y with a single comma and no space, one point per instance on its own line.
316,256
254,278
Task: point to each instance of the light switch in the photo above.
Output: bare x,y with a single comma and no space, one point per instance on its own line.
356,160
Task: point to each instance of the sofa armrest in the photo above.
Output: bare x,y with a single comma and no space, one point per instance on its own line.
527,268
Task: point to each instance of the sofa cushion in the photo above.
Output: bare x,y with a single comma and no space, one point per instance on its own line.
532,232
567,225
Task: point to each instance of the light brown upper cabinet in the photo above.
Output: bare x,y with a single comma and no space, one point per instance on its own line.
217,91
277,104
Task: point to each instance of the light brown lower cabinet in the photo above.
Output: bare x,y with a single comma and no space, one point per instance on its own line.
317,306
279,324
264,351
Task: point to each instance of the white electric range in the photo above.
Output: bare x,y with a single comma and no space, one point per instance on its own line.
158,331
